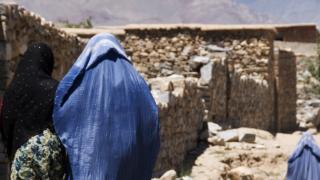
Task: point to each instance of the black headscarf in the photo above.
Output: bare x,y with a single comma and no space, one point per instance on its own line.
28,102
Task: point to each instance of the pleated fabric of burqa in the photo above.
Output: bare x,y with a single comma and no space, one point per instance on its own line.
105,115
304,163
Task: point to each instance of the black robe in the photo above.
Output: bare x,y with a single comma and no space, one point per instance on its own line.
28,101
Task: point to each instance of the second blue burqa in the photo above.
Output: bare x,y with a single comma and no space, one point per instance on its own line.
106,116
304,163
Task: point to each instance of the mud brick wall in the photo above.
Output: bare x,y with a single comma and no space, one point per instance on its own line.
297,33
286,91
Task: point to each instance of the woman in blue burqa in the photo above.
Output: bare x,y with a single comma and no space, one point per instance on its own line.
105,115
304,163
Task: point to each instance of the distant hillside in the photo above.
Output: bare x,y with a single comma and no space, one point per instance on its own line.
119,12
286,11
110,12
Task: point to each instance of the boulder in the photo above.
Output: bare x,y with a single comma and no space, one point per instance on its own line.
247,137
169,175
215,48
313,131
241,173
262,134
161,97
216,141
166,83
197,61
206,73
229,135
185,178
213,128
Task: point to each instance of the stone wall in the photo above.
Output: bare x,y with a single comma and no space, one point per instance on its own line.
21,27
161,55
180,115
242,85
187,51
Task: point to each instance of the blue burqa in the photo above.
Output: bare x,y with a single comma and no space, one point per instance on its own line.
105,116
304,163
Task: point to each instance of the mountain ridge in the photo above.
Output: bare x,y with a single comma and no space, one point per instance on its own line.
123,12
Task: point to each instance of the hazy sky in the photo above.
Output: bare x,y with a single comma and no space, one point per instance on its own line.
110,12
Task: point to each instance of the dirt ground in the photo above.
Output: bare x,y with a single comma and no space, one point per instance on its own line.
265,159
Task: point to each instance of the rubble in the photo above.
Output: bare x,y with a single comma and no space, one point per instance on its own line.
229,135
241,173
216,141
308,93
247,137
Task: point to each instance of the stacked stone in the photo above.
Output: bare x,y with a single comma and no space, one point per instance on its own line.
250,57
162,55
180,115
241,85
23,27
250,102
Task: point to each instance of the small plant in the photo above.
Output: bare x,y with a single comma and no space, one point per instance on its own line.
314,69
318,47
83,24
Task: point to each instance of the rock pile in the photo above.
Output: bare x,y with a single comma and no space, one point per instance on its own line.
214,135
308,91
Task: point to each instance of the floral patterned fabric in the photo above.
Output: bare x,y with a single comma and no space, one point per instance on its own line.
40,158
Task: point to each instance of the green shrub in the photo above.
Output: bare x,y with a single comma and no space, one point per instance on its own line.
83,24
315,68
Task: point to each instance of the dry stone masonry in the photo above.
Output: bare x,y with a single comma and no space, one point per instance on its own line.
180,114
242,85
